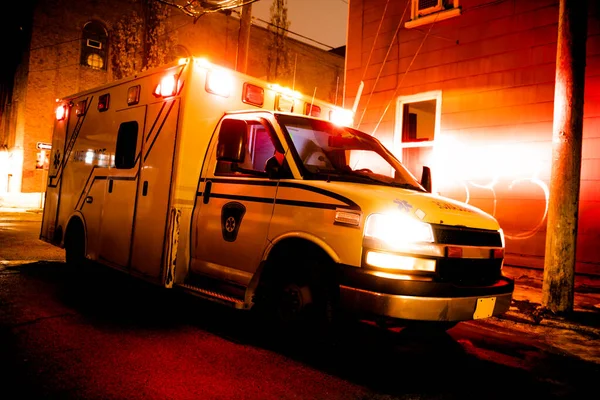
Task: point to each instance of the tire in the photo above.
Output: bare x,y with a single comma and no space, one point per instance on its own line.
75,246
302,302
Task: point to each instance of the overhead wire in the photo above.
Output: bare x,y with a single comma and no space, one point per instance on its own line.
170,31
401,21
404,75
375,40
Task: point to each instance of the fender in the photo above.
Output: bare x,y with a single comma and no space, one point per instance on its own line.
271,245
76,214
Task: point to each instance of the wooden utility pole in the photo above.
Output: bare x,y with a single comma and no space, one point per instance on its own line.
561,236
244,39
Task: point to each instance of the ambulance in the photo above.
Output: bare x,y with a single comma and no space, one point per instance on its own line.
198,178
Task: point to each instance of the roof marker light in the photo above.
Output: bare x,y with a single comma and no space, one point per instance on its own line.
312,110
285,91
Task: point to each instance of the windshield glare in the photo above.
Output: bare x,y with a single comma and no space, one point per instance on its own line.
331,152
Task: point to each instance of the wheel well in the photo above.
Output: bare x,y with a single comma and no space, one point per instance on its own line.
58,236
286,260
75,226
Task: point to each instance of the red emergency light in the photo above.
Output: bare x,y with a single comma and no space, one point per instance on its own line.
168,86
61,112
312,110
253,94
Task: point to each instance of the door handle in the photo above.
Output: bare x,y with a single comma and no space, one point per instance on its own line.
206,193
145,188
89,199
110,185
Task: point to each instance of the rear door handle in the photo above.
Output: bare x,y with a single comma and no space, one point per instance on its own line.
206,193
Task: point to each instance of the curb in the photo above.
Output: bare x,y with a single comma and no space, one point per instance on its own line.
553,322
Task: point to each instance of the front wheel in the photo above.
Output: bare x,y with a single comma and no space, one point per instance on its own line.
303,301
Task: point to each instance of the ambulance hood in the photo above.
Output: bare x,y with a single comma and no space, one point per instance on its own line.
426,207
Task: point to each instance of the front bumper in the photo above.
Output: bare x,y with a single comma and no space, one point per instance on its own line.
422,300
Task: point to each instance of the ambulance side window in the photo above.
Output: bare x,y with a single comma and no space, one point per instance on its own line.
259,147
126,145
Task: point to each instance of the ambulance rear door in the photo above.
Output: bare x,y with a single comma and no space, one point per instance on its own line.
154,186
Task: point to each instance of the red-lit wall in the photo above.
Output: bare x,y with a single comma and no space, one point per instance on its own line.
495,67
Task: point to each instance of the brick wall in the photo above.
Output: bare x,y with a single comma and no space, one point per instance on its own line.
53,69
495,67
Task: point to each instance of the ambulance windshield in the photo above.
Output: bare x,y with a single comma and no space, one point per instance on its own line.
330,152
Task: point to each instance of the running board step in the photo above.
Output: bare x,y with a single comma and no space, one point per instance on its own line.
212,295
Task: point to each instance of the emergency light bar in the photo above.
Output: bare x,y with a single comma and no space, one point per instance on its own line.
342,117
219,82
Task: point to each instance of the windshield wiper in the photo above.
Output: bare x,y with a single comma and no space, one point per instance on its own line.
406,186
348,176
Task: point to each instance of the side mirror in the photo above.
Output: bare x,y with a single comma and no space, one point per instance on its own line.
426,178
232,141
272,168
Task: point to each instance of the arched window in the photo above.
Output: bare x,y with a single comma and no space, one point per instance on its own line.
179,51
94,46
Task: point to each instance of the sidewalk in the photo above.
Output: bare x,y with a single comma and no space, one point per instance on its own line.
527,299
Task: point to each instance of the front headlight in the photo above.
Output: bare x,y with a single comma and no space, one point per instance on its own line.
398,230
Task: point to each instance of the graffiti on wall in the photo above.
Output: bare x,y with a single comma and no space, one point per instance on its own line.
509,181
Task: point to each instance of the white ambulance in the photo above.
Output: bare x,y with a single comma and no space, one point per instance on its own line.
198,178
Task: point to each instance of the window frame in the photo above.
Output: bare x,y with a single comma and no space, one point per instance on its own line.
94,31
398,144
433,16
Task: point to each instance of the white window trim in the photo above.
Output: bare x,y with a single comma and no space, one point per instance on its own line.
432,17
398,144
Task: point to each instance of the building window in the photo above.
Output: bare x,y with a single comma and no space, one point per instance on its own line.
93,46
417,126
429,11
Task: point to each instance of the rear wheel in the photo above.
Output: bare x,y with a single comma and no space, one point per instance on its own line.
75,246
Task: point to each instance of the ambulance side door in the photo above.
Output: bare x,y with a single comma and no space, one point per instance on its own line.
121,188
235,200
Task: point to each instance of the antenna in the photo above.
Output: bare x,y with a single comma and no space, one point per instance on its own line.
358,94
337,89
294,80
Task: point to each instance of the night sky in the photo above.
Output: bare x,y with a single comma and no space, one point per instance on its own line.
322,20
14,31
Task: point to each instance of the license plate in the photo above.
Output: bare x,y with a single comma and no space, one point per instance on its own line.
484,307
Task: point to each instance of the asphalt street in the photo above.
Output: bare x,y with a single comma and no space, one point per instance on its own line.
99,334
